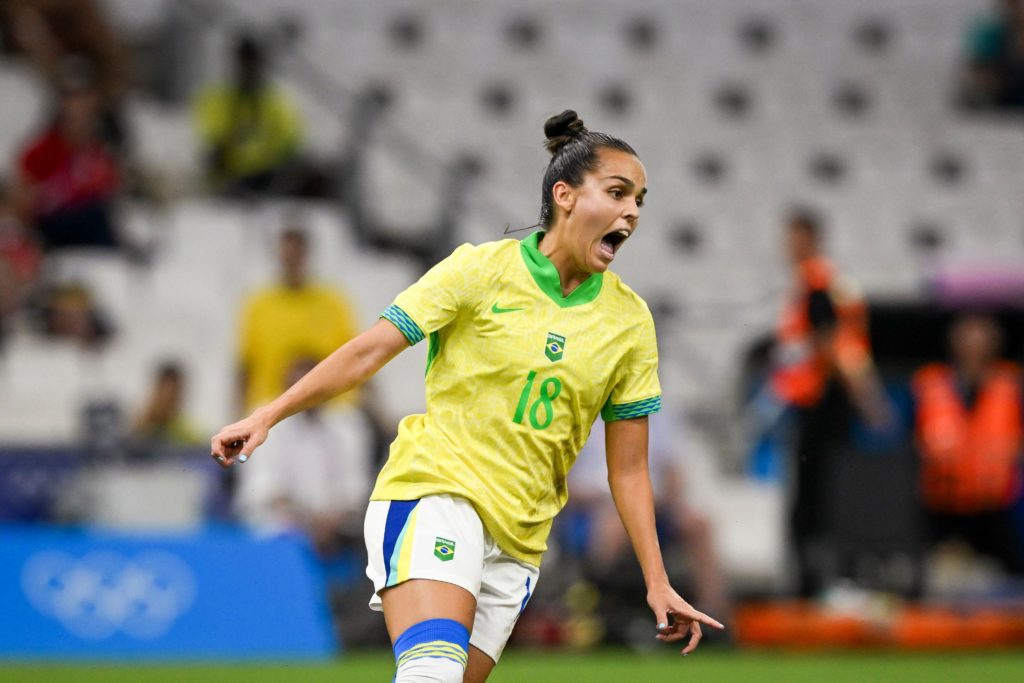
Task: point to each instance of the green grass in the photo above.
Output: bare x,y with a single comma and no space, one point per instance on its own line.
707,665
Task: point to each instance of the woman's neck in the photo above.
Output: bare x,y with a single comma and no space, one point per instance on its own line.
557,251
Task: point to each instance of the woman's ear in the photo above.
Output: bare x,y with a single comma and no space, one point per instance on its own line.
564,196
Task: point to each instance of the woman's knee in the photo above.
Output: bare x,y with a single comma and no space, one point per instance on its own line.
432,651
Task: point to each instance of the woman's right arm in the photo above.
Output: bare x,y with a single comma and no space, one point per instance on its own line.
343,370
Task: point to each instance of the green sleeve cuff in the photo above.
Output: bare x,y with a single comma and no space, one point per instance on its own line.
626,411
406,325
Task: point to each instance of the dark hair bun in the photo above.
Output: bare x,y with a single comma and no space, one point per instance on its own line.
562,129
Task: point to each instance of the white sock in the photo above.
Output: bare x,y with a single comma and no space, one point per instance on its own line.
430,670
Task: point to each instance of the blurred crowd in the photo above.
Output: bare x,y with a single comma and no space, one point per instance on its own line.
823,402
820,399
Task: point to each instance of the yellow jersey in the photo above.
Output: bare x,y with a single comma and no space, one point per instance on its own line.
516,376
281,325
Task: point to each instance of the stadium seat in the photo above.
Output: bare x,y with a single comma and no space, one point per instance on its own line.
24,109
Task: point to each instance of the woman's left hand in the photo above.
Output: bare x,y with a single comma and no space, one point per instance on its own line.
677,618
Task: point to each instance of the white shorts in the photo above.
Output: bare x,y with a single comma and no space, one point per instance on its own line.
441,538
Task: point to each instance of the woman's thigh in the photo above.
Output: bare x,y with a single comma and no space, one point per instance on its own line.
418,600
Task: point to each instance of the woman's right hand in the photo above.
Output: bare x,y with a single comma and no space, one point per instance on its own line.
236,442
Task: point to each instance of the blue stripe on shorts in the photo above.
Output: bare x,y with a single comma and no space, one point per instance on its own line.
526,598
398,515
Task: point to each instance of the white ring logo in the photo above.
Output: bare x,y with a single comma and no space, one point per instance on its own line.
97,595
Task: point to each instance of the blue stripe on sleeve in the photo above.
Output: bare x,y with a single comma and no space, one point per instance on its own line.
406,325
625,411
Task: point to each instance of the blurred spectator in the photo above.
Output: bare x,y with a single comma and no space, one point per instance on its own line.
969,423
605,543
312,476
69,312
824,372
250,129
163,423
19,260
291,320
62,35
69,178
993,76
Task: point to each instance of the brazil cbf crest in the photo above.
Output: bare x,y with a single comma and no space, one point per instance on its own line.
444,549
555,347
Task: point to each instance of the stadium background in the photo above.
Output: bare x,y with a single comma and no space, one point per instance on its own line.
423,120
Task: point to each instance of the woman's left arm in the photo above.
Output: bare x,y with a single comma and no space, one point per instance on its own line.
630,483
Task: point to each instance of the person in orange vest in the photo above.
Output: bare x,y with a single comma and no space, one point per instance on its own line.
969,429
824,372
822,332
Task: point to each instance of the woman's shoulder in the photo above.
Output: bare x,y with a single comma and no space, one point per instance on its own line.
486,249
483,256
623,295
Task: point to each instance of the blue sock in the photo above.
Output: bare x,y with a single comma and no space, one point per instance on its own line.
444,638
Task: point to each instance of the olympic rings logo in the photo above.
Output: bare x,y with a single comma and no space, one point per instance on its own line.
104,593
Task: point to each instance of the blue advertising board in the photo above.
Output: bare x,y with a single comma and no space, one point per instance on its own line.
220,594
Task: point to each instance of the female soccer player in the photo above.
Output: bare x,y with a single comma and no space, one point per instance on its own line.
528,342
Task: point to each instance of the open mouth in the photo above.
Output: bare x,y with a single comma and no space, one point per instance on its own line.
611,242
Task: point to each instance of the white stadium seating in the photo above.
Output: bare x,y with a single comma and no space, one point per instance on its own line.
446,85
809,50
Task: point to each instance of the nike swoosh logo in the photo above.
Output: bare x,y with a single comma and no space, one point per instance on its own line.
496,309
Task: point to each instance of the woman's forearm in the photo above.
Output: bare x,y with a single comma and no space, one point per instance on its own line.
630,483
634,500
345,369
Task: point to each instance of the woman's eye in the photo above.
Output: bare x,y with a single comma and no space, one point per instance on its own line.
617,194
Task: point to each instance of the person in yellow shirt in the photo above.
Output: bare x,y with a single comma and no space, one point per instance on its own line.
289,321
528,343
163,422
249,129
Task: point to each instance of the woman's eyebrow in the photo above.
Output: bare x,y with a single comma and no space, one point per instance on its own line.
629,183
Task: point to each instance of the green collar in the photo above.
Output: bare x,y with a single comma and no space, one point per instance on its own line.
546,276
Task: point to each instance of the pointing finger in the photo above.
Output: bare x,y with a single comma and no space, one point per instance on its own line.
695,616
705,619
